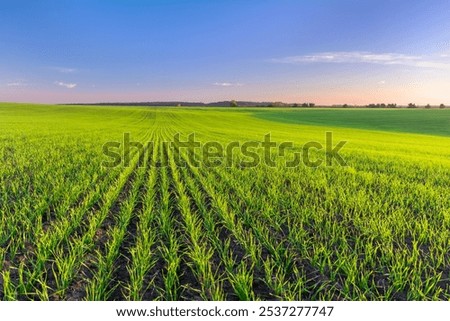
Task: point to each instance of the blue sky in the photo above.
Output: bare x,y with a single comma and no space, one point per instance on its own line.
323,51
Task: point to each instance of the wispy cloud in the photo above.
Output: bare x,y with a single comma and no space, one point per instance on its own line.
16,84
353,57
228,84
64,70
67,85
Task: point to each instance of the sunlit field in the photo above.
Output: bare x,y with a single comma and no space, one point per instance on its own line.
74,227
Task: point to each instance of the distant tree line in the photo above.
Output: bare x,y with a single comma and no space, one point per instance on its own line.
295,105
382,105
235,103
410,105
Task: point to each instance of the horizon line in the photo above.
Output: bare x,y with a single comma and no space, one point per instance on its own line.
275,104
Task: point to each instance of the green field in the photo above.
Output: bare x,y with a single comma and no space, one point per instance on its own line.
73,229
419,121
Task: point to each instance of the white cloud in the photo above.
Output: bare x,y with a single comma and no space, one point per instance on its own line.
352,57
228,84
64,70
16,84
382,82
67,85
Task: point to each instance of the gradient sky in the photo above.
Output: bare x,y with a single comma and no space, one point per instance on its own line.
322,51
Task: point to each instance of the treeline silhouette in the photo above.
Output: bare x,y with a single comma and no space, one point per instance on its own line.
234,103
